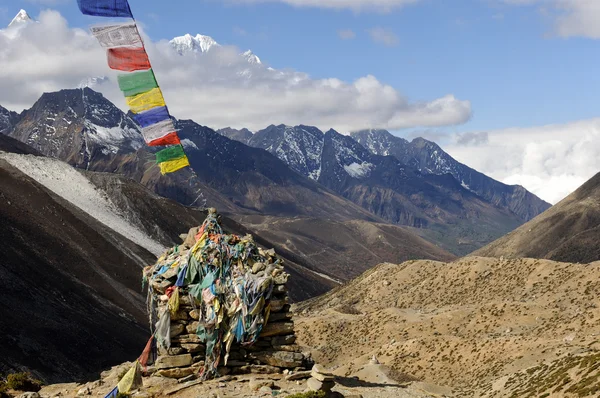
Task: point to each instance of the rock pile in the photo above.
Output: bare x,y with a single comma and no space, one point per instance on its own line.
321,379
227,323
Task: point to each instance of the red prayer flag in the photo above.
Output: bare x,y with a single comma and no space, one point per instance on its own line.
128,59
169,139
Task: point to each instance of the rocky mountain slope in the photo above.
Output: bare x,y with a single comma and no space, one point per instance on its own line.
436,206
569,231
8,120
484,327
235,178
428,157
71,303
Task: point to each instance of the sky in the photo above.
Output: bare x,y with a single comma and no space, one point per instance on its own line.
508,87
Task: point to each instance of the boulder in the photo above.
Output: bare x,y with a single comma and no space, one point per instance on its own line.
316,385
193,348
256,384
194,315
298,375
190,239
322,370
277,329
192,327
255,369
277,305
176,361
287,339
282,359
176,373
176,329
186,339
321,377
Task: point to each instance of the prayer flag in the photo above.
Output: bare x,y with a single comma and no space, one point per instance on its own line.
171,153
145,101
169,139
174,165
119,35
128,59
158,130
137,83
105,8
152,116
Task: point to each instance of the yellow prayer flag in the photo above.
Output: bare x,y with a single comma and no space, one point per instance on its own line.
132,379
174,165
145,101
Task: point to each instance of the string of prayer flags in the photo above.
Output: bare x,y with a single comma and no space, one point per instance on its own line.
126,53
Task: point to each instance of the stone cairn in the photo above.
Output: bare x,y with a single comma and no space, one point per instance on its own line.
273,352
321,379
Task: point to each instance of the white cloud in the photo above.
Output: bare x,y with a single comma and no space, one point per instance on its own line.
218,88
383,36
346,34
355,5
550,161
571,17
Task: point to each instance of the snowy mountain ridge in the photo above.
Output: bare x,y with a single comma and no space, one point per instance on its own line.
199,44
21,18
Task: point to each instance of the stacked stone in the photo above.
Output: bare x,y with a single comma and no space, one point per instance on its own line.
321,380
273,352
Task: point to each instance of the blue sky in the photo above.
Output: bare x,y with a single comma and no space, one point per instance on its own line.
508,87
502,58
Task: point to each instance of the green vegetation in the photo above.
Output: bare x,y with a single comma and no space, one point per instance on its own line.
3,390
310,394
23,382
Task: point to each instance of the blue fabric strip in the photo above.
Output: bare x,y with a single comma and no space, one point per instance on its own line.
105,8
152,116
113,394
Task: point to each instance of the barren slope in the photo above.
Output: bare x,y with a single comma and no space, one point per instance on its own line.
569,231
465,324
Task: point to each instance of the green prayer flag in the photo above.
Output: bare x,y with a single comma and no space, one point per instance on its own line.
136,83
171,153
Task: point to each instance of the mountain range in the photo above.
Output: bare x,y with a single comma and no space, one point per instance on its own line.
280,171
415,184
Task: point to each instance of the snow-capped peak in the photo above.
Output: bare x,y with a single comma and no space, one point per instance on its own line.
193,44
251,57
22,17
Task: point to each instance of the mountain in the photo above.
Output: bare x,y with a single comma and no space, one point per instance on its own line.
428,157
243,135
436,206
8,120
188,44
483,327
193,44
21,18
77,126
569,231
71,302
239,180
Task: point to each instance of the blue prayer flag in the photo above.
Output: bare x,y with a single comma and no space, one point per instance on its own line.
113,394
152,116
105,8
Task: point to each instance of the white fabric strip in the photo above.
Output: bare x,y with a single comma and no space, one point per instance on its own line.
158,130
120,35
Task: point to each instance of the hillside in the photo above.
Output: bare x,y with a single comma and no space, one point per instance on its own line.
68,283
477,325
569,231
